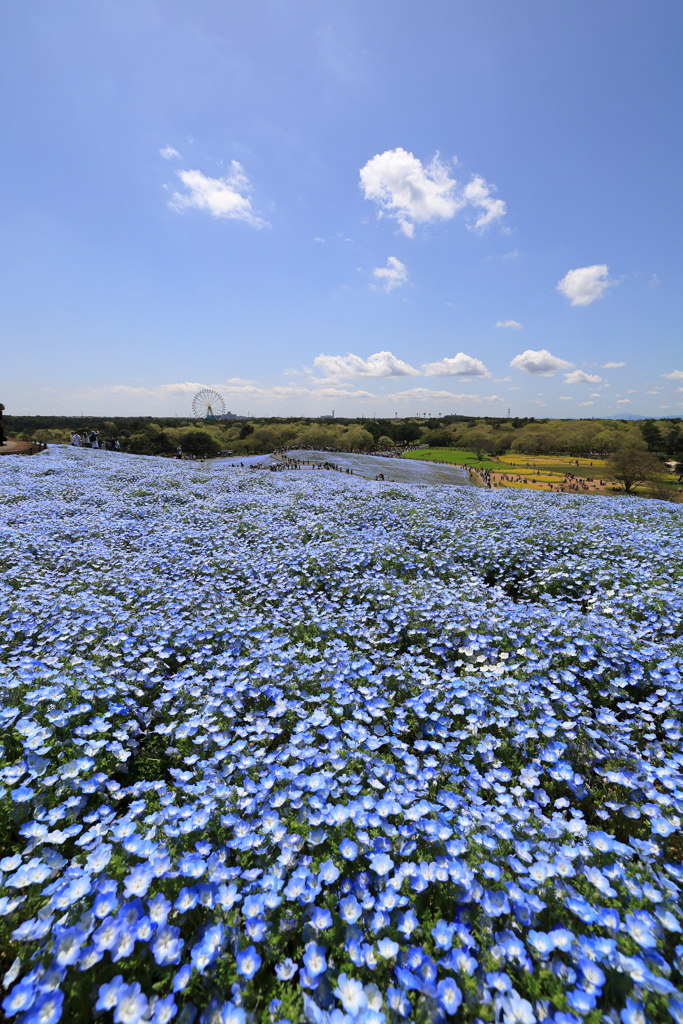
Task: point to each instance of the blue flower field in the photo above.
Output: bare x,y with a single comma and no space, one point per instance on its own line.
300,747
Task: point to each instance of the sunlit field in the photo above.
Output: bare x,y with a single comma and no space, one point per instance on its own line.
303,747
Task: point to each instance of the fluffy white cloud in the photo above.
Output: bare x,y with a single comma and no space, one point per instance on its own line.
460,365
623,401
674,375
585,284
514,324
380,364
478,193
169,153
221,197
413,193
393,275
427,393
233,388
612,366
541,362
579,377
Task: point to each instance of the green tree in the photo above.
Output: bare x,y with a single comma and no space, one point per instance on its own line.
673,442
199,442
651,436
246,430
631,467
439,437
478,441
384,442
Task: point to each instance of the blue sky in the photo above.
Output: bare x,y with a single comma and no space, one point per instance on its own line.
372,207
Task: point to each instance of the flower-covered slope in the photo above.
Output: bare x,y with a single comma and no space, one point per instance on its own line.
285,748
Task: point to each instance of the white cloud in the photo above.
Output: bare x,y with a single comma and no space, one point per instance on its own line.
426,393
169,153
221,197
478,193
514,324
585,284
565,398
585,403
394,274
460,365
541,362
413,193
579,377
380,364
674,375
623,401
612,366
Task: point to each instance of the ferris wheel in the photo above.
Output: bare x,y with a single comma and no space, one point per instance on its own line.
207,404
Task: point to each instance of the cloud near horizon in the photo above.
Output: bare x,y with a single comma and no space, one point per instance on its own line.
585,284
413,193
427,393
350,366
221,197
674,375
541,362
460,365
579,377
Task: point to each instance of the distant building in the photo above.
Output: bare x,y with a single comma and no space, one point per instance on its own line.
230,416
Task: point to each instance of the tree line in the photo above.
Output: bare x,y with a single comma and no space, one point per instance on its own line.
486,435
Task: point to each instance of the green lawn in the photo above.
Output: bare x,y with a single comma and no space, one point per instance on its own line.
455,457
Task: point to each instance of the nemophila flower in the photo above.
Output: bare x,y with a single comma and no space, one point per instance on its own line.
106,935
248,962
286,970
138,881
20,998
167,945
181,978
381,864
131,1005
633,1013
517,1010
407,923
499,981
449,995
398,1001
350,909
314,959
348,849
47,1008
639,929
351,994
164,1010
108,995
387,948
67,945
22,793
321,918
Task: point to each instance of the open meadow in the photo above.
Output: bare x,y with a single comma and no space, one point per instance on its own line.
302,747
544,472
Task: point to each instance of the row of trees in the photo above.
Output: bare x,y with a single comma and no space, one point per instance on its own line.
483,435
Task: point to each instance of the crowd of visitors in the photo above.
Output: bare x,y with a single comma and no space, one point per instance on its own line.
92,440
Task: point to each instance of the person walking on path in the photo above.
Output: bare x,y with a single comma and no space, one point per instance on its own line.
94,439
179,452
2,427
75,439
117,445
